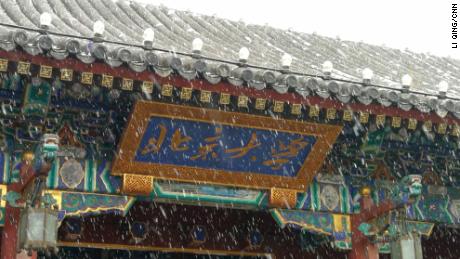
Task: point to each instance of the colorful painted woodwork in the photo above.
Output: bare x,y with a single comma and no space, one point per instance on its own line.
336,226
207,146
305,160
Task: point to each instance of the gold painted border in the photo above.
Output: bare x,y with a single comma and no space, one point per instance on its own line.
3,190
162,249
143,111
303,225
57,194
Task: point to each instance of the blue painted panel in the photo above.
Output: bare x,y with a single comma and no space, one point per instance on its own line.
223,147
105,182
4,167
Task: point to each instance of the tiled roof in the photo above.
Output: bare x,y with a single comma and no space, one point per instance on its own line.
175,30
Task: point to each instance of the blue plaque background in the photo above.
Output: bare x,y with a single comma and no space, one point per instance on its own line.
231,137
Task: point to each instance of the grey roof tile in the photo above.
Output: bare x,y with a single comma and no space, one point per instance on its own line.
175,30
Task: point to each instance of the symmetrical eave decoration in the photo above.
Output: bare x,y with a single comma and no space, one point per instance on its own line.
141,85
164,64
273,128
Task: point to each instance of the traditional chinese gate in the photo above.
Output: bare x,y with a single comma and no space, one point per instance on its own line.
285,161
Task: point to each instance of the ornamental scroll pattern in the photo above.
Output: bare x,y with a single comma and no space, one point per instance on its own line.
283,198
137,184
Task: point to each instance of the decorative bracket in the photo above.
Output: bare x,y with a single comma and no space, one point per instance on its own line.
283,198
137,184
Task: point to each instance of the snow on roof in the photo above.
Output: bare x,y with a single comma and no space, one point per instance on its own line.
175,30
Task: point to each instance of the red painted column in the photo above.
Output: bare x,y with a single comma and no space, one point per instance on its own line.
362,248
10,229
10,233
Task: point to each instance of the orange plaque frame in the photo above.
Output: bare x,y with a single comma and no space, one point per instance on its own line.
124,161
